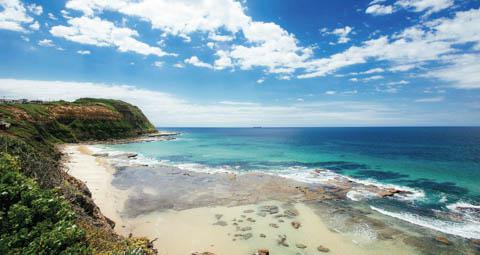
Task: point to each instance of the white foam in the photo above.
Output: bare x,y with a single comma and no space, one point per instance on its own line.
469,230
462,205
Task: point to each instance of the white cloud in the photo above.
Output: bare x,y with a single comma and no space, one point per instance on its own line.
179,65
430,100
84,52
374,70
402,68
378,9
102,33
195,61
342,34
220,38
461,72
367,79
34,26
223,61
176,111
51,16
422,43
35,9
330,92
261,80
46,43
430,6
158,64
402,82
14,16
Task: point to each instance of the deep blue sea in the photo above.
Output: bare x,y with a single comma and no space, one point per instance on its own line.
441,164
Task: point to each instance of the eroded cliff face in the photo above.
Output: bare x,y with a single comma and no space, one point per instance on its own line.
32,132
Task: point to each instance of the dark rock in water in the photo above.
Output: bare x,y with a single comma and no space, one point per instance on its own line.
219,216
291,213
273,225
272,209
322,248
262,214
279,216
301,246
296,224
280,220
263,252
443,240
203,253
282,240
476,242
245,229
221,223
245,236
243,216
100,154
235,224
263,235
251,220
248,211
240,220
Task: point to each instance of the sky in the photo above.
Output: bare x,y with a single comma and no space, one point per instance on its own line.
251,63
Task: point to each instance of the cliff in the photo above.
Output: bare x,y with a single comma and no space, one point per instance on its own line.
34,188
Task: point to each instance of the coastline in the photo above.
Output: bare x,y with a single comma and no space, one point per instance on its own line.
193,214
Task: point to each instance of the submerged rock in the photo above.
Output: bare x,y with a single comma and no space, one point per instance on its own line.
300,245
291,213
322,248
272,209
251,220
245,236
296,224
282,240
245,229
273,225
248,211
443,240
221,223
203,253
218,216
263,235
263,252
262,214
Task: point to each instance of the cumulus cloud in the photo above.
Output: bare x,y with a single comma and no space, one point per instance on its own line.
84,52
378,9
460,72
342,34
195,61
46,43
14,16
430,100
430,6
102,33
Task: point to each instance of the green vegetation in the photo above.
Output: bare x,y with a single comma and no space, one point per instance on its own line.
44,210
34,220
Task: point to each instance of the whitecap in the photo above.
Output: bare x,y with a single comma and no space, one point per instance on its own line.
469,230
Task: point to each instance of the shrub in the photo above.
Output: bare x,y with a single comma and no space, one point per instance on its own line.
34,220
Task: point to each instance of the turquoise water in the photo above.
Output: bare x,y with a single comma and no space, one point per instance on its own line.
441,163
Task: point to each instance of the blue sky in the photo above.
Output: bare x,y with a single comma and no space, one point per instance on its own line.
250,63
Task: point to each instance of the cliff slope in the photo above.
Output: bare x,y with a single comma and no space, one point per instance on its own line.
34,188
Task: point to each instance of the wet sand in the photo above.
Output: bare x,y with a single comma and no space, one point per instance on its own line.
181,209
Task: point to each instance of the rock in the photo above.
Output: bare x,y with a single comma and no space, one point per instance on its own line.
243,216
248,211
203,253
245,236
251,220
245,229
240,220
296,224
100,154
279,216
300,245
322,248
476,242
263,235
280,220
262,214
235,224
443,240
219,216
282,240
221,223
263,252
272,209
291,213
273,225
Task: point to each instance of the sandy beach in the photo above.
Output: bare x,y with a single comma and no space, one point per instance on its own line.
207,222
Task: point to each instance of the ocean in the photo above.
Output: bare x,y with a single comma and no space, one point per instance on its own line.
439,165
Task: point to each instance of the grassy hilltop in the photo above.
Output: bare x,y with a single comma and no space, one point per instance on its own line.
43,210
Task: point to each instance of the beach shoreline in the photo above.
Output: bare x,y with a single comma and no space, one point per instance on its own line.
141,208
